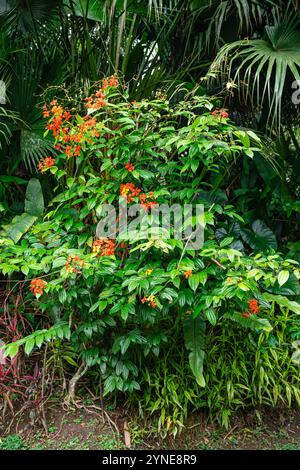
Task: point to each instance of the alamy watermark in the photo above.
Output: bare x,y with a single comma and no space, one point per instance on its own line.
2,92
133,222
296,94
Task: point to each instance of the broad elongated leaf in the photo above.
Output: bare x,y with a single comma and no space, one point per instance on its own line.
196,360
283,277
283,302
194,336
34,203
260,238
19,226
252,322
290,287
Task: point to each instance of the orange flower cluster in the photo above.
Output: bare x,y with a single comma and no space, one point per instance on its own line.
58,116
147,201
37,286
150,300
73,264
129,191
129,166
97,100
89,125
73,151
110,82
64,135
220,113
70,138
104,247
188,274
253,308
46,163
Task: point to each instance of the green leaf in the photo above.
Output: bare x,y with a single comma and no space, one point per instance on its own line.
194,333
19,226
252,322
260,238
196,360
194,281
34,201
226,241
283,302
283,277
290,287
194,337
29,345
62,296
60,261
39,339
11,350
211,316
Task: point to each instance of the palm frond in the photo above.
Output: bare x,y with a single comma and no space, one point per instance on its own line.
261,67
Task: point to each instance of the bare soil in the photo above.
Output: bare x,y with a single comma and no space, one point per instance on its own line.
85,428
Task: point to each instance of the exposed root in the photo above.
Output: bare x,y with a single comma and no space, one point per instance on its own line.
70,398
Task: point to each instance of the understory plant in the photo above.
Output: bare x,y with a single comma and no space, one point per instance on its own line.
120,302
243,369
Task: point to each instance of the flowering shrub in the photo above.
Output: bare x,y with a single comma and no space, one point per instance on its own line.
117,301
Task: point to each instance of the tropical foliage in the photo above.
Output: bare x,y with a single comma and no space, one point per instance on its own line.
156,103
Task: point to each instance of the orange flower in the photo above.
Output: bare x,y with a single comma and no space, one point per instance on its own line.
105,84
129,166
147,201
67,115
222,113
104,247
188,274
46,163
253,306
77,150
110,82
97,100
113,81
37,286
129,191
150,300
149,271
66,138
74,263
46,112
69,151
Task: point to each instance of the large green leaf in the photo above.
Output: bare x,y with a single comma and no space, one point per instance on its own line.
34,202
290,287
196,360
19,226
260,238
283,302
194,337
253,322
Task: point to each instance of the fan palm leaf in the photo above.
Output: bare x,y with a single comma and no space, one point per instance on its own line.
263,68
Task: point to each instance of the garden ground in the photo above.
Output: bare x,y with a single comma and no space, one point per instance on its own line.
83,429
